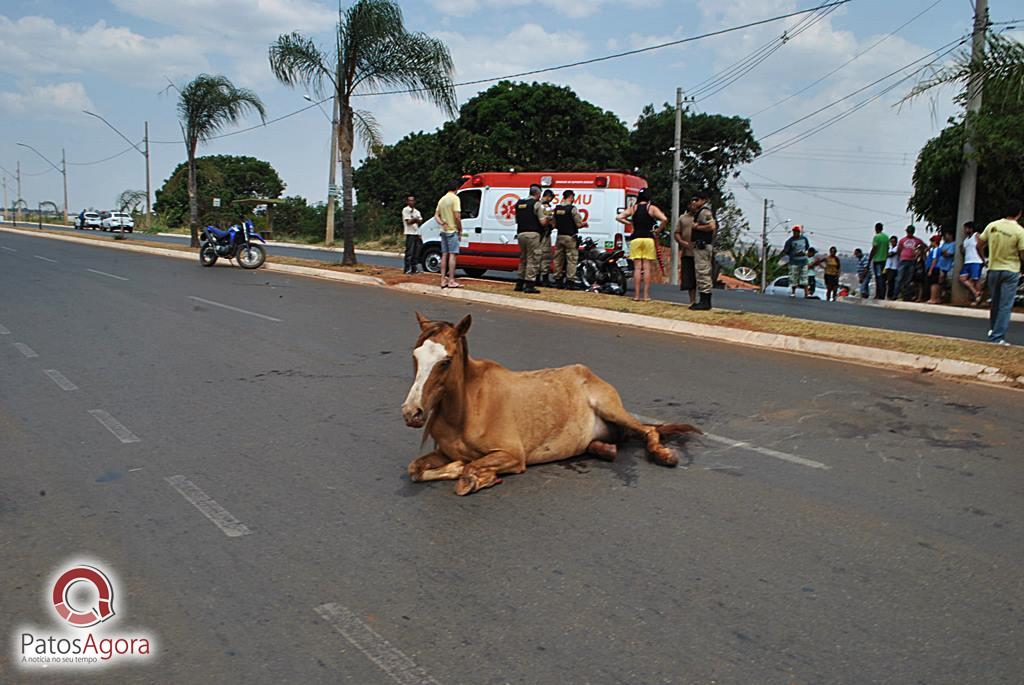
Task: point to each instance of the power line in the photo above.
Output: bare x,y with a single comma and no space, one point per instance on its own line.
785,186
533,72
835,189
105,159
851,60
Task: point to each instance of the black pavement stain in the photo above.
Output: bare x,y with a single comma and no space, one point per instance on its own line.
972,409
976,511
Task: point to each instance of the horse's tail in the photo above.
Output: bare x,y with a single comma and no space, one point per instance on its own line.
669,429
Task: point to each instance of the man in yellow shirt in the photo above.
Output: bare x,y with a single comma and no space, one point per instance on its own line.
1005,241
448,215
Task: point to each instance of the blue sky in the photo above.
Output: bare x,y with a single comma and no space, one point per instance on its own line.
115,56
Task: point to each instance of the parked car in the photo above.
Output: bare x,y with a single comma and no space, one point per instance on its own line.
780,286
89,220
118,220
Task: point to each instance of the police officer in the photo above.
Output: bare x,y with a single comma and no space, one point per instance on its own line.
567,223
703,234
530,222
544,258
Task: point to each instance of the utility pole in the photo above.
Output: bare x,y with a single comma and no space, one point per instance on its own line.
64,172
149,207
764,247
4,179
969,173
674,275
333,175
17,202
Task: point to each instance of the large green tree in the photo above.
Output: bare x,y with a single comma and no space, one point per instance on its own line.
373,51
206,105
227,177
649,151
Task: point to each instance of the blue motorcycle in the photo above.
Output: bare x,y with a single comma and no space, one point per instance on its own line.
238,242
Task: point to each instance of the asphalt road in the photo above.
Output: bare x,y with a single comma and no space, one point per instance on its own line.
866,529
740,300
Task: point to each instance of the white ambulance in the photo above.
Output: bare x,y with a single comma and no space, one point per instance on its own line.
489,217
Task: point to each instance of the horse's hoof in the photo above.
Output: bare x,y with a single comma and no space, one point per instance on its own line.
666,457
465,484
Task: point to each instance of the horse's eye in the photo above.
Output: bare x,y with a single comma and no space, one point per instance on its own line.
445,363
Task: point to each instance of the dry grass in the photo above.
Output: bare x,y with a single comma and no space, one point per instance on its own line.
1009,360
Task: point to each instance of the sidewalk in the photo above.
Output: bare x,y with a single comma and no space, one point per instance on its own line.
943,309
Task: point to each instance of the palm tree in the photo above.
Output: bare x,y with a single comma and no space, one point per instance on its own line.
373,52
1001,68
205,106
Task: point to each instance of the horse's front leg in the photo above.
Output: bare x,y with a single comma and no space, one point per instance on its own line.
483,472
434,466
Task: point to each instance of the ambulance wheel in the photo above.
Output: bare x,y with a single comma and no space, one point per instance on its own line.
474,273
432,258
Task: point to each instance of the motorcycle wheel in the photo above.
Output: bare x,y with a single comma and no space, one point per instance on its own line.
251,256
614,275
207,255
586,274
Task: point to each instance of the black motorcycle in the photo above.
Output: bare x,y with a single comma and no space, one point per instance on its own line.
602,271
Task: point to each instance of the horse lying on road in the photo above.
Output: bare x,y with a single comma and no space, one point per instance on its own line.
486,420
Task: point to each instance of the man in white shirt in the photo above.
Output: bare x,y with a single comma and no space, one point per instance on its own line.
970,274
411,220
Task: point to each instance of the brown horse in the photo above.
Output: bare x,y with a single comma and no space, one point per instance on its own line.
486,420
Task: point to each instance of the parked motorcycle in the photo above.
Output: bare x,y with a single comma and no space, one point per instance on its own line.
603,271
235,243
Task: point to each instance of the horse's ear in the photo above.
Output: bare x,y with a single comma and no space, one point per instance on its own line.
423,321
462,327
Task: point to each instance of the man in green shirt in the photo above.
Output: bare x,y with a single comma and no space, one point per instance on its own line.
1005,241
877,256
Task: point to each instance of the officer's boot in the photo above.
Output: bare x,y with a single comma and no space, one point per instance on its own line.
545,281
519,285
560,283
704,304
529,288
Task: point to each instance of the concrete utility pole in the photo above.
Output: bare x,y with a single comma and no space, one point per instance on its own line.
969,173
764,247
4,179
333,175
144,151
674,275
17,201
64,173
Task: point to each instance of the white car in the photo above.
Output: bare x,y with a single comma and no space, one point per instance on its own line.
118,220
89,220
780,286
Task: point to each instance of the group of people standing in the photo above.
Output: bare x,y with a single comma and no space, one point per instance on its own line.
536,218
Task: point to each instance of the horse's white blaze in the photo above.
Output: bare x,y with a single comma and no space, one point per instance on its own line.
427,356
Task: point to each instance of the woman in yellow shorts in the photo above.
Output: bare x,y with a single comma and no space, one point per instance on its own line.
642,249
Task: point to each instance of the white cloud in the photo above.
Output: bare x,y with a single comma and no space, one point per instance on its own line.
51,100
249,19
573,9
38,45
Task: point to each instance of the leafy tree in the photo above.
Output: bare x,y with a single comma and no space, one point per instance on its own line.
227,177
373,51
297,217
207,104
649,152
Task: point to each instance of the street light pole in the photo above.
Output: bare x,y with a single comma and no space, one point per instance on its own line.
62,169
674,275
333,175
64,173
764,247
144,151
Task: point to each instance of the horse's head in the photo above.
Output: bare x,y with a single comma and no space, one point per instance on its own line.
440,348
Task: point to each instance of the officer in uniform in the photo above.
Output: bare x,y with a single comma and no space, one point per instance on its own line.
544,257
530,222
703,233
567,223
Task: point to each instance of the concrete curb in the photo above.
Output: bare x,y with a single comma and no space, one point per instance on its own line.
771,341
940,309
327,274
303,246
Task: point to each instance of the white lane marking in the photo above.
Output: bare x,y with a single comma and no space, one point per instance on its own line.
742,444
25,350
104,273
234,309
114,426
45,259
4,331
9,249
395,663
60,379
220,516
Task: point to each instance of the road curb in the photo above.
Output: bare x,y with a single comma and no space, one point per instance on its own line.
940,309
313,272
304,246
771,341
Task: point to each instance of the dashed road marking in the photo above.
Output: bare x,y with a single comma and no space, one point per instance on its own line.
45,259
25,350
395,663
114,426
742,444
104,273
9,249
234,309
220,516
60,379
